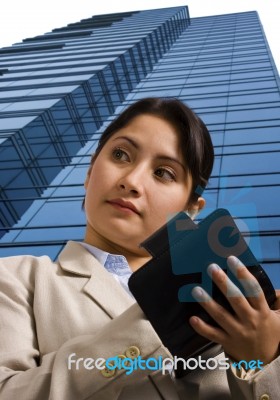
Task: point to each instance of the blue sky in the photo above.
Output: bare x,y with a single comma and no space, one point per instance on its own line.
21,19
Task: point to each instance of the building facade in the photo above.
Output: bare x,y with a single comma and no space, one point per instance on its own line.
58,91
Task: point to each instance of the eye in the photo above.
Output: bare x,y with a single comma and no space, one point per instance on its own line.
120,155
165,174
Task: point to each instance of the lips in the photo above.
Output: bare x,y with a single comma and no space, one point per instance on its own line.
123,204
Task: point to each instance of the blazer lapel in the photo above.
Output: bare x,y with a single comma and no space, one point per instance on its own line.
101,286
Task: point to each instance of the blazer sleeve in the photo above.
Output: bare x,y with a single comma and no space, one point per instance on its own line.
264,384
26,374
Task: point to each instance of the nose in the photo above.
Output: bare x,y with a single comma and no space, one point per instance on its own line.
132,180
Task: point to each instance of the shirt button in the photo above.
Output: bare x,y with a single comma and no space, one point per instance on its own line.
264,397
132,352
108,373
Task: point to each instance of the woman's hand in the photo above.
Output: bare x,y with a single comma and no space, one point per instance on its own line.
253,333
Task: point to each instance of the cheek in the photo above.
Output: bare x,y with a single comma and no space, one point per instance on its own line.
165,208
161,208
182,202
173,200
99,176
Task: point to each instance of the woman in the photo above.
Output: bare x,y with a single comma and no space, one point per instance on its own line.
59,321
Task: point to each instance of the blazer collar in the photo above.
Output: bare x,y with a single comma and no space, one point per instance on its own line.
76,259
102,287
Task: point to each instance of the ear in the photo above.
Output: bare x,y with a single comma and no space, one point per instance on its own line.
93,157
194,208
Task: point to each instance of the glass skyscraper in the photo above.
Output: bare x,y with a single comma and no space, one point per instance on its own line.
58,91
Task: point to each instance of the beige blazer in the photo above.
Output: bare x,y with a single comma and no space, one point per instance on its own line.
49,311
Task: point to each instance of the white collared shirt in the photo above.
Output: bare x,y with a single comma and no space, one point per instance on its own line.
116,264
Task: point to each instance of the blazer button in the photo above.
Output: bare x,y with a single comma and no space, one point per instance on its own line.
132,352
264,397
108,373
122,357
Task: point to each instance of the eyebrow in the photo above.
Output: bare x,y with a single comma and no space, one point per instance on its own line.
160,156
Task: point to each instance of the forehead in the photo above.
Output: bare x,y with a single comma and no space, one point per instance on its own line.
150,129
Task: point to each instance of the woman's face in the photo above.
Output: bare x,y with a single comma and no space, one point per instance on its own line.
136,182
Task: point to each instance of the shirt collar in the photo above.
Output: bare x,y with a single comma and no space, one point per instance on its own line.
114,263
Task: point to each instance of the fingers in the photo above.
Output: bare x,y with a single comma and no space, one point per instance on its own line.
241,305
251,331
210,332
251,286
223,318
233,294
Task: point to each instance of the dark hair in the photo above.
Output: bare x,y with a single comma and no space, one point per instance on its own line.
195,139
